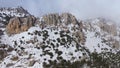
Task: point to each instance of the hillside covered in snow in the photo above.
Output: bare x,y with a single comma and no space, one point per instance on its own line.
57,41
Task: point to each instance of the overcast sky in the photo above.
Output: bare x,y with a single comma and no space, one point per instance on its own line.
82,9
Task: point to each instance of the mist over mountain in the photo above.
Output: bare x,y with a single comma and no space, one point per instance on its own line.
82,9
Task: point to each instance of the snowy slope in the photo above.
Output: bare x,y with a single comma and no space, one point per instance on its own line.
43,45
53,45
36,48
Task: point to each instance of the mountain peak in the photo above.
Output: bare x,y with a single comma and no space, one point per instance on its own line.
6,13
18,9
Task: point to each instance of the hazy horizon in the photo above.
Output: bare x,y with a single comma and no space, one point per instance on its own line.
83,9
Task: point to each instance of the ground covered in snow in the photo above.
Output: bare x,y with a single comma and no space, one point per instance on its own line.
63,46
42,46
52,48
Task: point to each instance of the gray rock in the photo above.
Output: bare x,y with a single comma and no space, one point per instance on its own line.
31,63
9,64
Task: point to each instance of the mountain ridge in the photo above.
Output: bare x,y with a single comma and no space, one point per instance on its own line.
58,40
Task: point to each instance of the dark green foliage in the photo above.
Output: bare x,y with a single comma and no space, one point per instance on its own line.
29,33
105,60
22,48
52,44
93,60
45,34
43,47
54,40
63,41
22,36
36,32
65,64
50,54
56,33
59,52
48,42
58,39
62,34
57,44
102,60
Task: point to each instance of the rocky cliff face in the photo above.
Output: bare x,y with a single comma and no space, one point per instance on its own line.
63,19
109,28
16,20
68,18
20,24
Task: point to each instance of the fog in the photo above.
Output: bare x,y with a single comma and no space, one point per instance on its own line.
82,9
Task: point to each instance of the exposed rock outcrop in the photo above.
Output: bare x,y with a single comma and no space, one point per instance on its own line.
57,19
20,24
109,28
68,18
80,37
4,50
51,19
3,54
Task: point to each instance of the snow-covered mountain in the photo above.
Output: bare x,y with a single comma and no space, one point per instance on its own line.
57,41
7,13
